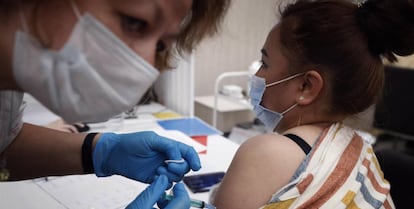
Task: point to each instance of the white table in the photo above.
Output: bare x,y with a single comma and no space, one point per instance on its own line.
73,191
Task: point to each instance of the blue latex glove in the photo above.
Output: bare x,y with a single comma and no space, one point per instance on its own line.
152,193
141,155
181,199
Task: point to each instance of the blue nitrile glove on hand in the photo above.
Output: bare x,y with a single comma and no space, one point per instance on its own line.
155,191
141,155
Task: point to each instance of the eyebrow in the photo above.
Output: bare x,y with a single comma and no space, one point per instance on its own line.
172,36
264,52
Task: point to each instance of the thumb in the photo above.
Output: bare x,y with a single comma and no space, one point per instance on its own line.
181,199
150,195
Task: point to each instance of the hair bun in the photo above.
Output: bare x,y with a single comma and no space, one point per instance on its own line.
388,26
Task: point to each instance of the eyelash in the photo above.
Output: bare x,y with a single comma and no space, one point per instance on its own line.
161,46
263,64
137,27
133,25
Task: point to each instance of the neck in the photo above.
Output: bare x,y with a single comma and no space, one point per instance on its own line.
310,118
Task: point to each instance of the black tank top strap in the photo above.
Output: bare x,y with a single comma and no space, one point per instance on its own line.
299,141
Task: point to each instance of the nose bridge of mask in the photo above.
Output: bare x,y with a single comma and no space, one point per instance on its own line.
285,79
257,87
96,35
118,47
104,51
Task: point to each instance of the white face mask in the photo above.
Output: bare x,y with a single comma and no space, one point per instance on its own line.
93,77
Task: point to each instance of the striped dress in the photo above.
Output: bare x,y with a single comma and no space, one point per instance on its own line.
340,172
11,112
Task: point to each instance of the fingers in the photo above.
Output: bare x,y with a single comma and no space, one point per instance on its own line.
175,151
81,127
191,160
71,128
178,167
181,199
65,128
150,195
60,125
172,177
164,148
165,145
191,156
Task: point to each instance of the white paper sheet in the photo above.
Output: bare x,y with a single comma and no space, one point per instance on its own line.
90,192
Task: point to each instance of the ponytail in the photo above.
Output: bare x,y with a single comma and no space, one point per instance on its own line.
388,26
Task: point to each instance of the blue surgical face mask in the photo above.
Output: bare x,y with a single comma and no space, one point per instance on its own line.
268,117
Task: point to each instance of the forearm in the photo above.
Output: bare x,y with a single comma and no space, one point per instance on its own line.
39,151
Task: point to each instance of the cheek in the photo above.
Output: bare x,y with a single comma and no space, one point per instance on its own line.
59,37
277,98
260,73
54,28
270,98
145,49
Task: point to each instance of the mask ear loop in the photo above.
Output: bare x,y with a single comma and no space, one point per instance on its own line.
285,79
25,26
75,9
289,109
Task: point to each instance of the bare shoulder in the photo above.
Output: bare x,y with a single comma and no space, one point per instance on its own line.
274,147
272,154
263,164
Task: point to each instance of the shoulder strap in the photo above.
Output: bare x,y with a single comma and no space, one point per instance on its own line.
299,141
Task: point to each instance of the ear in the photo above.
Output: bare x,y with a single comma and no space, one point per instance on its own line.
311,88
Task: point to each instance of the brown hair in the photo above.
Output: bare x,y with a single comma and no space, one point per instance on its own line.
347,43
204,20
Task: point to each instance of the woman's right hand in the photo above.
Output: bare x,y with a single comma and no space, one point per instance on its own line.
154,193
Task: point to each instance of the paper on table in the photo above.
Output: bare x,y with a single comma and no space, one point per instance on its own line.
181,137
90,192
190,126
167,115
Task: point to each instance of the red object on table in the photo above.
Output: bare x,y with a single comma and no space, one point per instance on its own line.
202,140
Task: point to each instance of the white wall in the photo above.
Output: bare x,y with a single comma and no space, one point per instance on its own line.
238,44
242,36
175,88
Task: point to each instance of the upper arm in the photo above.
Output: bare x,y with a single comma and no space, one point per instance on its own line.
261,166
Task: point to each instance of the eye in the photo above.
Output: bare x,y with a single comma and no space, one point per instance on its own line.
161,46
263,64
133,25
